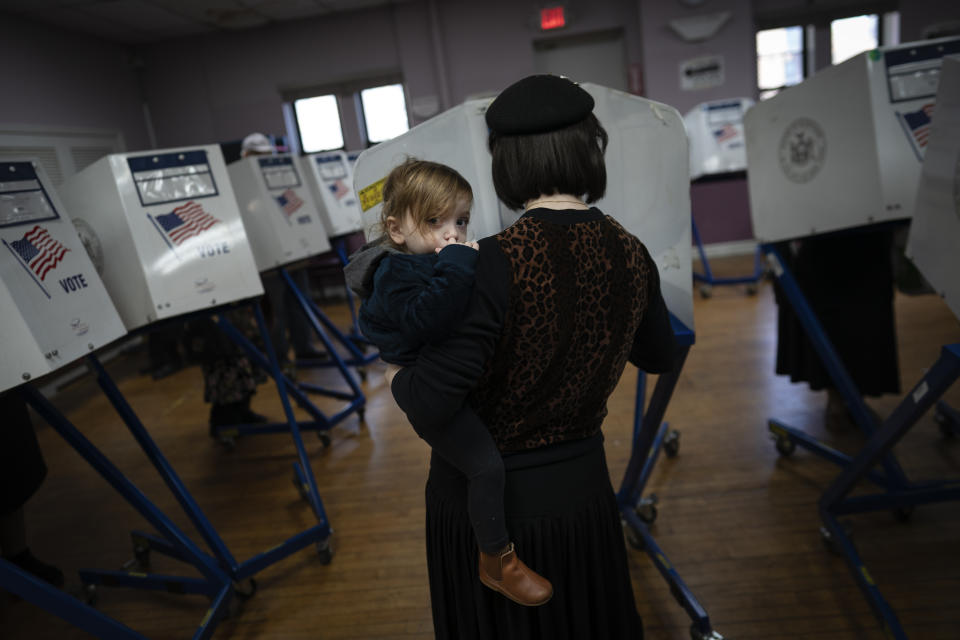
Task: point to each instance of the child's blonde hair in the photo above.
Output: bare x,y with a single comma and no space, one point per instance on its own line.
422,190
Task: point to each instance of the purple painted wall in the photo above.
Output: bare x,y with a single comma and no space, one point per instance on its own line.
663,51
234,81
721,209
52,78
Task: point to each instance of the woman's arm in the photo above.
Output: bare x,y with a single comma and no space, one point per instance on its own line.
432,390
654,345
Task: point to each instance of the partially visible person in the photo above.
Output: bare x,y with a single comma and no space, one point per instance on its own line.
415,282
562,300
289,326
848,280
22,471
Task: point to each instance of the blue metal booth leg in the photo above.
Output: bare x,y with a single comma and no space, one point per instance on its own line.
898,495
321,422
143,543
354,343
835,501
214,583
787,438
707,278
650,434
61,604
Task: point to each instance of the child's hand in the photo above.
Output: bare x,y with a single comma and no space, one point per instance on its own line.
472,245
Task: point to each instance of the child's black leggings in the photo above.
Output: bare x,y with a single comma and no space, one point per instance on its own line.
467,444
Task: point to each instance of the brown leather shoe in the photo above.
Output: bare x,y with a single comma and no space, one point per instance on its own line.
506,573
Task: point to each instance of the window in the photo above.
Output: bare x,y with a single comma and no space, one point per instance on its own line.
384,112
850,36
779,59
351,114
318,120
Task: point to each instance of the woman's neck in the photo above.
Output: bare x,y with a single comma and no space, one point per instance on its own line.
556,201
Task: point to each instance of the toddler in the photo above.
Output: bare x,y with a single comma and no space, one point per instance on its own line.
415,282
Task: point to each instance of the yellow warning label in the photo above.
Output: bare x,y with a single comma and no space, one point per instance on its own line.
867,576
372,196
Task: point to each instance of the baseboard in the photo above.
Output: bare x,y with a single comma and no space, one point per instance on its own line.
723,249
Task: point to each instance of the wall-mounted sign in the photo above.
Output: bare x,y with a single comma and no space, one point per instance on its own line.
701,73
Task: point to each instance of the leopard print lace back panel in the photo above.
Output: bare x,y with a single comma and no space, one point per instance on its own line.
577,296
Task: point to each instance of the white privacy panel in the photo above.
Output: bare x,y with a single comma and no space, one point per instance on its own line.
844,148
53,305
172,238
934,242
279,210
647,177
330,177
716,137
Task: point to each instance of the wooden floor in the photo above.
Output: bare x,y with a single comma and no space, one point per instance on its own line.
739,523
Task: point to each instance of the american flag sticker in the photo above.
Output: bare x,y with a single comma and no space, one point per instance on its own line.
289,202
726,132
186,221
39,251
916,124
339,189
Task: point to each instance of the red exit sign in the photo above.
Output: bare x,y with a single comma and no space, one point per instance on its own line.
552,18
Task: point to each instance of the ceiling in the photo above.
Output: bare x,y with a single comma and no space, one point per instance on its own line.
142,21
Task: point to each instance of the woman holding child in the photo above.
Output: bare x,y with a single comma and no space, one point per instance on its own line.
561,301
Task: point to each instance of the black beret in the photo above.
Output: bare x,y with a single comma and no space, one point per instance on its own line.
538,104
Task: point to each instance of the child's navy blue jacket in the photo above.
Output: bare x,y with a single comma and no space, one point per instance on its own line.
410,300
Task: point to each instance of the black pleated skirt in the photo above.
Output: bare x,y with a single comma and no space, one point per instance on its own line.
848,282
563,518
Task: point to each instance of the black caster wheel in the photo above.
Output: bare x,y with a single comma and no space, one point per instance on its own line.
751,289
324,439
785,446
245,590
647,513
944,424
90,594
697,634
140,563
325,551
361,415
363,374
706,291
229,443
903,514
633,538
671,444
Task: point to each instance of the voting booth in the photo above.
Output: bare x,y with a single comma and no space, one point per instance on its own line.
647,192
330,177
715,130
934,242
53,305
279,210
844,148
172,236
54,308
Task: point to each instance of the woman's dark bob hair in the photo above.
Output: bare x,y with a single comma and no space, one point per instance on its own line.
568,160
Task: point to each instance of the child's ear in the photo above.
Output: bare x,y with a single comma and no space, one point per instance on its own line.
394,231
